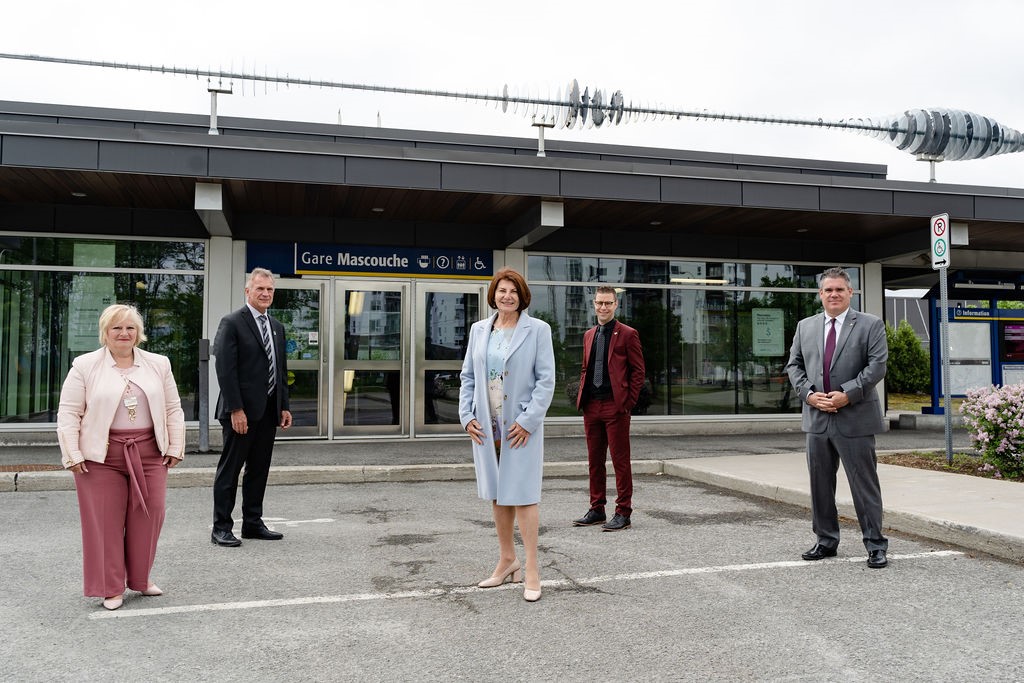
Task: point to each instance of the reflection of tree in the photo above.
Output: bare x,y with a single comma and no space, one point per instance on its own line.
660,335
562,359
793,305
171,307
35,314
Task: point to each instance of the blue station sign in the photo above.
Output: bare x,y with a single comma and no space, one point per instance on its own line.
306,258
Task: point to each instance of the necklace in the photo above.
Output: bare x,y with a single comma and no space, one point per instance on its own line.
131,401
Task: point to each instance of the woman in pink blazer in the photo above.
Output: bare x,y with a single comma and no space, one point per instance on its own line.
120,426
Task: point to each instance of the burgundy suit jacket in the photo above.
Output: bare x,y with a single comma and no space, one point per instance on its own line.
625,366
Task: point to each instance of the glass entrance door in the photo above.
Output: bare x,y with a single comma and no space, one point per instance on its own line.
371,362
444,313
299,305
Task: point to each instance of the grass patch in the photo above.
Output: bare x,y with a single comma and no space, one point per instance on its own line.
912,403
963,463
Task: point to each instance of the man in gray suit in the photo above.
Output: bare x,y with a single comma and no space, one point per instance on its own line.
836,361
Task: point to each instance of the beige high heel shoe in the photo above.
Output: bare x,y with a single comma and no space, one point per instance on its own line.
114,602
513,572
152,590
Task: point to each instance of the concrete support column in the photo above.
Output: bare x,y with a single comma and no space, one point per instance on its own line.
223,293
873,301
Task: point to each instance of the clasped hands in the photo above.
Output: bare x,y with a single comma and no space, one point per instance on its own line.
517,436
830,402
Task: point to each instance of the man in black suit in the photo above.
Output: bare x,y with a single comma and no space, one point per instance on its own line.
252,371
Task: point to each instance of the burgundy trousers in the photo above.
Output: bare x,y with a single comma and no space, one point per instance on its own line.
121,502
608,430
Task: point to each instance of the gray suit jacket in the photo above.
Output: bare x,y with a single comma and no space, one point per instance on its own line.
858,365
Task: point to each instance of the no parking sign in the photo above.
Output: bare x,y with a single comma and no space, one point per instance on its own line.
939,232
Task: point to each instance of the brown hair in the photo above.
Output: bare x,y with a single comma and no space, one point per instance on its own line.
605,289
517,280
834,273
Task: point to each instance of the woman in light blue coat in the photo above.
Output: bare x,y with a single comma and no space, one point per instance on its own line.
508,380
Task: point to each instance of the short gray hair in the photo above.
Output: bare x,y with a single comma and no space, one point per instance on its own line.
258,272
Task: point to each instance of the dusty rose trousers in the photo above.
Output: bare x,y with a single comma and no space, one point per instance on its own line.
121,502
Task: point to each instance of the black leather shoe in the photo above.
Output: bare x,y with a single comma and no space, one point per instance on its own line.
262,533
876,559
590,519
224,538
819,552
617,523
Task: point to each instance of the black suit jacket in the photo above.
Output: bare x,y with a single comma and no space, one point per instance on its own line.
241,364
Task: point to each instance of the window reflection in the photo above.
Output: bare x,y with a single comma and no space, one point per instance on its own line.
448,318
372,397
706,351
373,325
48,318
441,397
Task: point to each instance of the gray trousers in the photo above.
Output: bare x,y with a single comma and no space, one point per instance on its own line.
857,453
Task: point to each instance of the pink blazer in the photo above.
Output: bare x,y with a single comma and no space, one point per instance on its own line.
91,394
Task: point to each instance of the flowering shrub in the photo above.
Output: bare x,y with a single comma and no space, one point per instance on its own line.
995,419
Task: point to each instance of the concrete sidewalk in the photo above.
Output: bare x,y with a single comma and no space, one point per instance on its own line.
972,512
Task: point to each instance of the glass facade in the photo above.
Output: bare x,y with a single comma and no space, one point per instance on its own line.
52,291
715,335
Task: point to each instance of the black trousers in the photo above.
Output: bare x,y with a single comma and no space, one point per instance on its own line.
253,450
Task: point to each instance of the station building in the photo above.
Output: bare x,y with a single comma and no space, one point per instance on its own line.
384,242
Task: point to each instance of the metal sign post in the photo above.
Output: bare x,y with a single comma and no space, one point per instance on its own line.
939,233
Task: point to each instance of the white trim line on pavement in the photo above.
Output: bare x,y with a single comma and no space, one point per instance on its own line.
434,592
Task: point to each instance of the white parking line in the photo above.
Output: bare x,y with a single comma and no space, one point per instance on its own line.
462,590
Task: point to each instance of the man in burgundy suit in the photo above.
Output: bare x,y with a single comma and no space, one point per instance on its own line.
610,383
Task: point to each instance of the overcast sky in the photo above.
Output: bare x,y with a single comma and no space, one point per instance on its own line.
803,59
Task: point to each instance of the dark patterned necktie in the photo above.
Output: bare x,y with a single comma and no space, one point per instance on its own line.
271,371
599,357
830,348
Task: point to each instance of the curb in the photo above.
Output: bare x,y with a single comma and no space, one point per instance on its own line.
963,535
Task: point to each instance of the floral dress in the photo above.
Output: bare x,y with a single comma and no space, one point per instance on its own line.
498,346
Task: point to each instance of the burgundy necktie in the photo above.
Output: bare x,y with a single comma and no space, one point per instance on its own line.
830,348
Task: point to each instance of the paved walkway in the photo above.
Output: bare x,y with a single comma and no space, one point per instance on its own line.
972,512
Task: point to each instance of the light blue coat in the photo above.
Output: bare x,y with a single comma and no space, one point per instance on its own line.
529,383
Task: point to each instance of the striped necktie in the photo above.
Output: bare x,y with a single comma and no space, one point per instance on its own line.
599,357
271,370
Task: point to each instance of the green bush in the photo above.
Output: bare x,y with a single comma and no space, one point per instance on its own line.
909,369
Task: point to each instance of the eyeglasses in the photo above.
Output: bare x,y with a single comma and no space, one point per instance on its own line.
604,303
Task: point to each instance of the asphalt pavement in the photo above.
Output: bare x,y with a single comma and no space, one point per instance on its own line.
385,540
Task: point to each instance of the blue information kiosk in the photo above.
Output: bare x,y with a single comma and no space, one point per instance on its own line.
986,340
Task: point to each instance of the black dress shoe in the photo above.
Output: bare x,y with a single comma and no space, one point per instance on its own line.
590,519
819,552
876,559
224,538
262,533
617,523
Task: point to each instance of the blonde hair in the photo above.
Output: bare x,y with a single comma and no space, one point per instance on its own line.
115,313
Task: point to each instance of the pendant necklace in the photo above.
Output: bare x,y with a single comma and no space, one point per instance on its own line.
131,401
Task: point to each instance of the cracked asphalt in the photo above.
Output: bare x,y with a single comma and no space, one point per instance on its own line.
376,582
